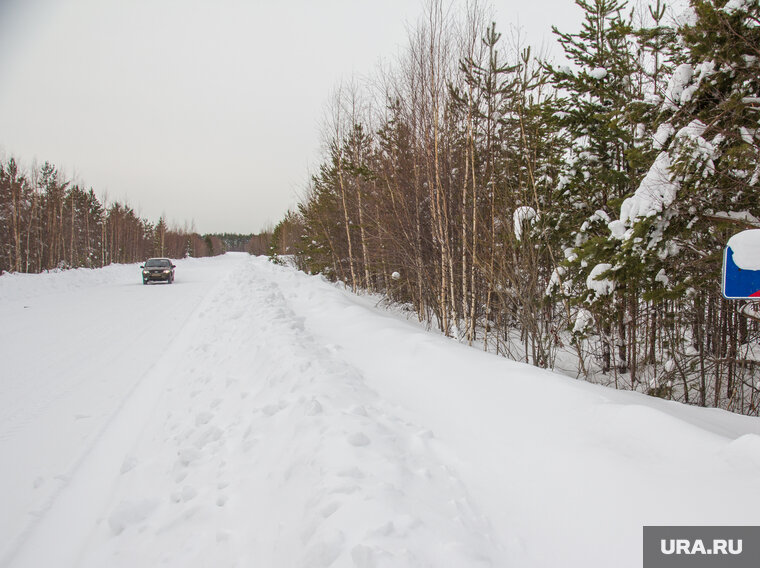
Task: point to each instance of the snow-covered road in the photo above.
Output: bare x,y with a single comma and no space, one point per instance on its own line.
250,415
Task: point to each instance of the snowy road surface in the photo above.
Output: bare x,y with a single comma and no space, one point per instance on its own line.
250,415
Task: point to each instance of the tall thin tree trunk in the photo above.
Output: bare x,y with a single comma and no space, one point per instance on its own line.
346,221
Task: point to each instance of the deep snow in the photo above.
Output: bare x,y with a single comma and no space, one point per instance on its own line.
252,415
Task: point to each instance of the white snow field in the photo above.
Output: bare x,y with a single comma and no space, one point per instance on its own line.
251,415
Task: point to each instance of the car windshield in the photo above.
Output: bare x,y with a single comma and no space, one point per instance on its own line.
158,262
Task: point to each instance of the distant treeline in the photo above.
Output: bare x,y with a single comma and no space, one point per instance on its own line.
48,222
260,244
250,243
234,242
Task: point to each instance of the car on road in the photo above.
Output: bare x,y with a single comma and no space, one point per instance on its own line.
158,270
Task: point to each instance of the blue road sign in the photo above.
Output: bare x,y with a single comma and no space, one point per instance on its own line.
739,283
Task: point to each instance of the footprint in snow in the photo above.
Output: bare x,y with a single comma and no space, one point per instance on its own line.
425,434
313,408
188,493
353,472
130,513
401,526
344,489
364,556
203,418
329,509
325,552
358,439
128,464
423,438
211,434
272,409
359,411
188,456
249,444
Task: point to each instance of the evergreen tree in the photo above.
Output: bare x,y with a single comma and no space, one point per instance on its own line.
593,112
159,238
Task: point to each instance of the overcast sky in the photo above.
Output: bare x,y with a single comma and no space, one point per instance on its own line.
206,111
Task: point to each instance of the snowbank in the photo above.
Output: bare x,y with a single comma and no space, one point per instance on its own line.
286,422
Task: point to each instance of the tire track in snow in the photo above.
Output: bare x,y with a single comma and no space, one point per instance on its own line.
74,346
54,537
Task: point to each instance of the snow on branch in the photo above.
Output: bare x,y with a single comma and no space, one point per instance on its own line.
523,214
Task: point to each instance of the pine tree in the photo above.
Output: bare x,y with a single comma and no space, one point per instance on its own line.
159,238
596,94
592,111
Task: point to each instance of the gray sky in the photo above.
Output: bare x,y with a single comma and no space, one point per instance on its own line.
207,111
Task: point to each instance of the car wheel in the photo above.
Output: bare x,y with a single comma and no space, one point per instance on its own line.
145,281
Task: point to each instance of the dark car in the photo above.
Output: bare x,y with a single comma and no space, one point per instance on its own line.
158,269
